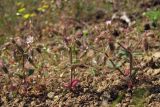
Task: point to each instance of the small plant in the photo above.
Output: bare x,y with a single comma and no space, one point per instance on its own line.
153,15
24,57
73,82
128,73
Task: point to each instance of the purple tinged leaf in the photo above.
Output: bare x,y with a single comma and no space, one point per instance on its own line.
74,83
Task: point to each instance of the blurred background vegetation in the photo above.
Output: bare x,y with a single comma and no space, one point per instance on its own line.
14,13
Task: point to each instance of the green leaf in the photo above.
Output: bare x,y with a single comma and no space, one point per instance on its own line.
122,53
30,72
153,15
45,6
21,4
27,16
41,9
21,10
85,32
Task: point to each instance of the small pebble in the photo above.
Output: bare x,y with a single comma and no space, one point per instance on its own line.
50,95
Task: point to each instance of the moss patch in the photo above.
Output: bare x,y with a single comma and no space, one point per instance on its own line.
118,99
139,96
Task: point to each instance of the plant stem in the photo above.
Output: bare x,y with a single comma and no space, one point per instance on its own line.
130,57
23,62
71,59
114,65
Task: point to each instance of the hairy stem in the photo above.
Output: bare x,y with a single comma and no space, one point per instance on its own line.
130,57
114,65
71,60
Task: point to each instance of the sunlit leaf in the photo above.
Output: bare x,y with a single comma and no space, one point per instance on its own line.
45,6
85,32
41,9
153,15
27,16
21,10
20,4
33,14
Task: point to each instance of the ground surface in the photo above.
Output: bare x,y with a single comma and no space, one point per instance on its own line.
37,61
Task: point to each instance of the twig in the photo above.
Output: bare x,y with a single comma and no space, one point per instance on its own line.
123,47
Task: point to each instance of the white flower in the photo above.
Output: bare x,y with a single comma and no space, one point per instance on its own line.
29,40
108,22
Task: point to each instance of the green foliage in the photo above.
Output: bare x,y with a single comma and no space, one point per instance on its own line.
118,99
93,71
139,96
110,65
30,72
2,39
22,10
123,54
153,15
27,12
85,32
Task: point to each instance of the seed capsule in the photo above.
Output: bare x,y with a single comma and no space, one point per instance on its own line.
145,44
111,44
